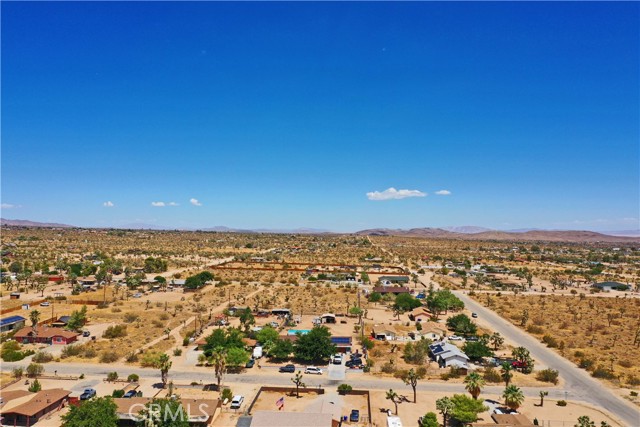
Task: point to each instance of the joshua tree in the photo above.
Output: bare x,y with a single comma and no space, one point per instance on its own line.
297,380
473,384
411,378
445,406
542,395
393,396
496,340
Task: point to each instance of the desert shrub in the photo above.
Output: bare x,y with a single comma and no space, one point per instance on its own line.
117,393
388,368
42,357
548,376
150,358
185,341
633,380
133,378
491,375
157,323
534,329
115,331
561,403
17,373
130,317
586,364
602,372
112,376
177,352
164,316
132,357
578,353
625,363
550,341
34,369
226,394
35,386
89,353
633,393
116,310
108,357
453,373
70,351
11,352
343,388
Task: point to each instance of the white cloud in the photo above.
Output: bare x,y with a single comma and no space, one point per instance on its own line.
108,204
158,204
393,194
173,204
443,193
8,206
195,202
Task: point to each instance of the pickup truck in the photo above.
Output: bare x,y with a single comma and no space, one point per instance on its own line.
88,394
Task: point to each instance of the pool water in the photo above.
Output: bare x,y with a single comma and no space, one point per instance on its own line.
295,331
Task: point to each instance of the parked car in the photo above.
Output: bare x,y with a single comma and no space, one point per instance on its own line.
86,333
354,417
45,304
337,359
455,338
138,295
237,401
518,364
474,314
313,370
354,364
130,394
88,394
473,339
250,363
287,368
274,324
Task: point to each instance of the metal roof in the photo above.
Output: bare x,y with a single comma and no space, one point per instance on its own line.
12,319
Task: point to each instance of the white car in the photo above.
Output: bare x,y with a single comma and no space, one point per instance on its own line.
337,359
237,401
313,370
455,338
45,304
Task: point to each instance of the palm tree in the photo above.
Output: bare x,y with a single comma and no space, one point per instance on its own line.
513,397
393,396
35,318
507,373
473,384
219,361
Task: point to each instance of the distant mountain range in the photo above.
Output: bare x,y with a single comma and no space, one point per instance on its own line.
467,232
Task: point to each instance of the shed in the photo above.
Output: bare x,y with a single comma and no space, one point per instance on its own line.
328,318
12,323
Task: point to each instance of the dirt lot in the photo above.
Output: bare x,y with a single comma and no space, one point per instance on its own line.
597,333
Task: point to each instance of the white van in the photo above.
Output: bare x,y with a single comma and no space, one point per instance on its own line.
237,401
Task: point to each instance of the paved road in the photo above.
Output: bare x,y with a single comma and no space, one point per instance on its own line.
578,383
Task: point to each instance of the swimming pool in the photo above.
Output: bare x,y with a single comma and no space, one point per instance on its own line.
295,331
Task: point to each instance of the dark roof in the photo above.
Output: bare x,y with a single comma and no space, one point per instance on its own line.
11,320
601,284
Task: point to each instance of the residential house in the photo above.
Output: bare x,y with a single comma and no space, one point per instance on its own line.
328,318
292,419
199,412
20,409
612,286
45,335
420,314
12,323
394,279
447,354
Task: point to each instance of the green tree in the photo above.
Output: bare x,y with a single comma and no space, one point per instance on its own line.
99,412
466,409
445,407
496,340
513,397
523,356
462,324
77,319
297,381
473,384
165,413
237,357
375,297
393,396
406,302
476,350
35,386
430,419
247,319
315,346
281,349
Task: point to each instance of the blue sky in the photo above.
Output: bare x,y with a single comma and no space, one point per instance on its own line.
284,115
